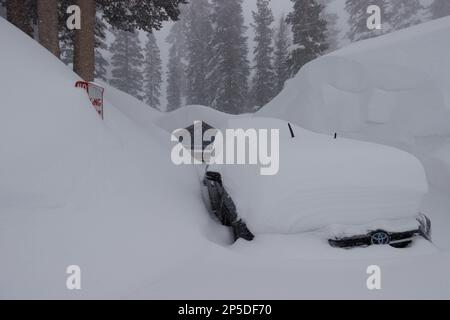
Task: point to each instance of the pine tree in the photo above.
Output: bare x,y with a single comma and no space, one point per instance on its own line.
66,36
66,44
101,63
333,31
358,19
3,8
176,69
281,63
127,59
199,32
152,72
440,8
174,86
66,39
405,13
123,15
263,89
309,31
47,12
229,66
22,14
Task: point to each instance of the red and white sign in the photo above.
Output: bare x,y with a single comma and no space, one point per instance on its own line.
95,93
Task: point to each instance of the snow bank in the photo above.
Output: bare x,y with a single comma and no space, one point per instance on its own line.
324,181
438,165
76,190
394,89
133,108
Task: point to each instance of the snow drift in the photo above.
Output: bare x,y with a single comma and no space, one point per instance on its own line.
394,89
76,190
438,165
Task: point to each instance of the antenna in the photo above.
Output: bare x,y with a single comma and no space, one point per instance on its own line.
292,131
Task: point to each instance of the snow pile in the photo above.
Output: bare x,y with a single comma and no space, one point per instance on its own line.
133,108
393,89
439,167
76,190
324,181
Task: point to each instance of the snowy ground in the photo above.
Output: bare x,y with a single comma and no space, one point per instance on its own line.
304,267
105,196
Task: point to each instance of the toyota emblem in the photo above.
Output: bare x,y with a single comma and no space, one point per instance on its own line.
380,238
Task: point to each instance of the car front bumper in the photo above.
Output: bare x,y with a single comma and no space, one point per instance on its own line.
383,237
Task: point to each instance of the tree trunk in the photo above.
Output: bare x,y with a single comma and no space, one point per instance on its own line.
47,11
84,46
16,12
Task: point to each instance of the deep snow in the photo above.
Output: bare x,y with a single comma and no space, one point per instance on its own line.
393,89
323,181
76,190
104,195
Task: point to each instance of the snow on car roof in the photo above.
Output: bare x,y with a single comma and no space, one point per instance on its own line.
322,180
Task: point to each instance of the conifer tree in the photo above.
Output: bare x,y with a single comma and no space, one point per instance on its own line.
405,13
176,68
440,8
309,31
101,64
152,72
263,89
333,31
229,65
127,60
66,38
281,61
199,32
357,10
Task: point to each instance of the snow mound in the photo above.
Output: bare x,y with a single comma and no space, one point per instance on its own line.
392,88
133,108
324,181
76,190
439,167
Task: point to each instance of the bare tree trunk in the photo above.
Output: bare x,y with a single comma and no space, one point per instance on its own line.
47,11
16,12
84,46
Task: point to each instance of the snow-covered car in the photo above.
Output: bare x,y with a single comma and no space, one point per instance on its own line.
355,193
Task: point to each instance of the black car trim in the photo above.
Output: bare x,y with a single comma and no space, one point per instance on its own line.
424,231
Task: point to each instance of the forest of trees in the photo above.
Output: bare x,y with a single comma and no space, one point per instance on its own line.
43,15
211,60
